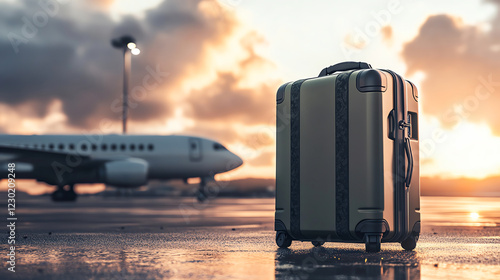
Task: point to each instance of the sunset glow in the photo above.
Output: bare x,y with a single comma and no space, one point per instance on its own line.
467,150
474,216
222,62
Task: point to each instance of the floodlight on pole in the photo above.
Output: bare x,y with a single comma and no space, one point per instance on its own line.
128,45
131,45
135,51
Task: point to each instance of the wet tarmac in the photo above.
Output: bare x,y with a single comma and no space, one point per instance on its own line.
177,238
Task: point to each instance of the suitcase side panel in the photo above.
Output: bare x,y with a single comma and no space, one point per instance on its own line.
366,155
403,219
317,158
282,211
414,192
389,158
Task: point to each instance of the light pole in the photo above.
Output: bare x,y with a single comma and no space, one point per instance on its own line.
127,44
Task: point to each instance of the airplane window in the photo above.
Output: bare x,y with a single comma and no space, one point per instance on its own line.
104,147
51,146
43,146
113,147
151,147
84,147
123,147
94,147
71,146
61,146
141,147
218,147
132,147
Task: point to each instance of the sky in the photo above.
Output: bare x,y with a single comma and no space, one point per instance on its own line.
216,66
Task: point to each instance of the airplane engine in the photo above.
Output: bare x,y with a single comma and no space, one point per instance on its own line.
126,173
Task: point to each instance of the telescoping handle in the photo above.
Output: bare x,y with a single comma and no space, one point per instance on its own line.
344,66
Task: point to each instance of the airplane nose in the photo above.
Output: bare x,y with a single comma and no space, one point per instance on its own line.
234,162
238,161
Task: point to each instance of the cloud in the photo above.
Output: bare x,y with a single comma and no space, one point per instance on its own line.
225,100
461,65
236,95
353,41
460,186
259,140
101,3
387,34
264,159
69,58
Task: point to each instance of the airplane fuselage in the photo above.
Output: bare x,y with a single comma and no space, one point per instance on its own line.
119,160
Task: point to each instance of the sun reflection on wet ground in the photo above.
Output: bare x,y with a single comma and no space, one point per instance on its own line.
234,239
461,211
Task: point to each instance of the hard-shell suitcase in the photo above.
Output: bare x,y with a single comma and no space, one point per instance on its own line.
347,158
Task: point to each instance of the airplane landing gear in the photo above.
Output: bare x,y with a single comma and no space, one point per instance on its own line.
64,193
201,194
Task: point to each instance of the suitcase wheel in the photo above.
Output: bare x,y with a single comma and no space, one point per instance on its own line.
317,243
372,242
283,239
410,243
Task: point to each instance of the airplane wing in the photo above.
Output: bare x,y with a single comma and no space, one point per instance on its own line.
9,153
22,154
60,167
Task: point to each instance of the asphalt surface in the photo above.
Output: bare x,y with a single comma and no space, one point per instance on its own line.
177,238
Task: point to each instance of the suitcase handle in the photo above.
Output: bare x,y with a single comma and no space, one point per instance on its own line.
343,66
409,154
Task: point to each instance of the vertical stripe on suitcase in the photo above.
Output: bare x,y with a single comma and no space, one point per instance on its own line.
342,155
295,160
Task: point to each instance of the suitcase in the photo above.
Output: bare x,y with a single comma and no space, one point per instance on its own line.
347,158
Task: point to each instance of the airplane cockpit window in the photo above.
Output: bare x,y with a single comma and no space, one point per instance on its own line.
219,147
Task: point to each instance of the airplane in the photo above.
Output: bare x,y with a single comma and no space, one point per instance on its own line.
123,161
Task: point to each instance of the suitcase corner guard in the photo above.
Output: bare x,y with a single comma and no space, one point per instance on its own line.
372,227
371,80
279,225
